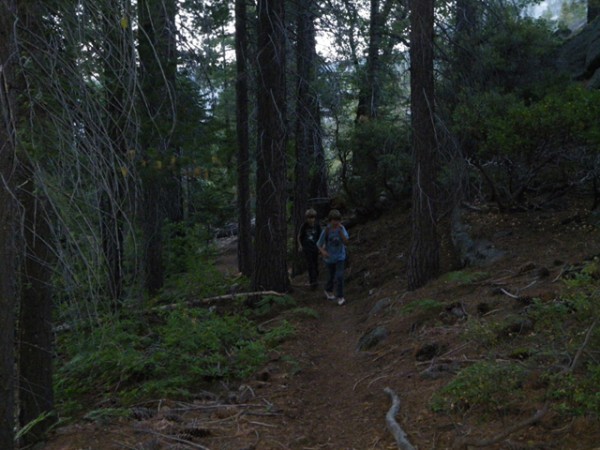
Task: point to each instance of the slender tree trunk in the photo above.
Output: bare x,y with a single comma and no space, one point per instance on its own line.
423,262
8,219
118,66
241,88
36,395
36,343
305,121
593,10
270,268
365,156
162,198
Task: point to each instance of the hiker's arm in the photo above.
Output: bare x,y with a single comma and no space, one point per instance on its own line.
344,234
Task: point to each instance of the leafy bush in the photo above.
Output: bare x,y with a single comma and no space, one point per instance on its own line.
425,305
485,386
576,394
531,145
131,359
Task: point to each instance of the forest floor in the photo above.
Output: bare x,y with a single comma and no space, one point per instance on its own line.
319,391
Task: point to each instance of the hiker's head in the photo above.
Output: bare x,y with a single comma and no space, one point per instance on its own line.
335,215
310,214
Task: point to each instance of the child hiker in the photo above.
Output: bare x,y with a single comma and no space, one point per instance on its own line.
332,245
307,243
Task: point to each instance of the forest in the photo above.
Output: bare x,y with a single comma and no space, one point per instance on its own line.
137,134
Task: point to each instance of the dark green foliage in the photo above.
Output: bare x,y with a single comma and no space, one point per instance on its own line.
389,146
554,345
487,387
172,355
527,148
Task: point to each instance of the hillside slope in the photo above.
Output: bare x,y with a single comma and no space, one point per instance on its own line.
325,387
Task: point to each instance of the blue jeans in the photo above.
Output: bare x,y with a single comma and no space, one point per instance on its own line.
336,276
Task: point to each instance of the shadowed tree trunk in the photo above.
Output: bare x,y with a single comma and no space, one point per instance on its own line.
310,178
270,268
36,395
8,219
161,187
593,10
424,258
241,88
118,69
35,343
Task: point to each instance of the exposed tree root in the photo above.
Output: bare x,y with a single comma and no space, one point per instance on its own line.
390,420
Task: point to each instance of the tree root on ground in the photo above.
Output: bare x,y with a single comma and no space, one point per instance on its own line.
390,420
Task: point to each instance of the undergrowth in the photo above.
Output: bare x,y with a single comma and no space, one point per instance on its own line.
556,361
148,353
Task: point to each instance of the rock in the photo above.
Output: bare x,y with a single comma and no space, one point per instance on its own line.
380,306
430,351
372,338
580,55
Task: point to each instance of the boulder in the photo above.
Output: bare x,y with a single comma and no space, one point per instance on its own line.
579,56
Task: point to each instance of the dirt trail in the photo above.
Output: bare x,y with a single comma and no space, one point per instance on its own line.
332,402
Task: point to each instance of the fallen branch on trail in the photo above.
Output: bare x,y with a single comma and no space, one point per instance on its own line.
390,420
507,432
210,300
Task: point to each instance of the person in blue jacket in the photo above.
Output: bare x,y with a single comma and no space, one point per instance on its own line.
332,246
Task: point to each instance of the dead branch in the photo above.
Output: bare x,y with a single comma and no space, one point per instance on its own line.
505,292
173,438
210,300
507,432
390,420
586,340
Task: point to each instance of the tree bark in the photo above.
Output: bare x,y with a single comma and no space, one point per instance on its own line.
8,220
593,10
118,65
245,247
162,198
424,258
36,342
310,172
270,268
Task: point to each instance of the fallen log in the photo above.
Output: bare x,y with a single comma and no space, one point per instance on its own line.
210,300
392,425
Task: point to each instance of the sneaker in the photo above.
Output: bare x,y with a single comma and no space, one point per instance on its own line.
329,295
341,301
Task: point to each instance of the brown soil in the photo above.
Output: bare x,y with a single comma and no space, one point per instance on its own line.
320,392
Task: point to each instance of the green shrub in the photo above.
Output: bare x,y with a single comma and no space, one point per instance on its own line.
129,359
425,305
576,394
485,386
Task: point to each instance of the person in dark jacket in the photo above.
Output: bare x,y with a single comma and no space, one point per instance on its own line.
332,245
307,243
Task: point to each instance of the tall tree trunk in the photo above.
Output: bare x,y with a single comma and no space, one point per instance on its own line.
365,158
270,268
161,188
310,172
8,220
35,344
118,66
36,395
244,247
593,10
424,258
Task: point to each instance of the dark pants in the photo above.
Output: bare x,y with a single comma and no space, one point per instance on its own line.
312,262
336,277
